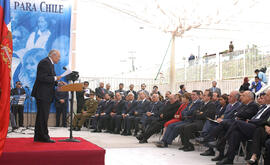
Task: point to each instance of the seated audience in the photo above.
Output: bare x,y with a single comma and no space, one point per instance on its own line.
166,114
102,115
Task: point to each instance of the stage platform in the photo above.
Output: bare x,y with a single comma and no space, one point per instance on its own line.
24,151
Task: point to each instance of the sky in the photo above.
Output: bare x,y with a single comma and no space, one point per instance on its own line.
107,38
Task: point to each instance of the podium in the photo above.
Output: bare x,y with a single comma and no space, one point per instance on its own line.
71,88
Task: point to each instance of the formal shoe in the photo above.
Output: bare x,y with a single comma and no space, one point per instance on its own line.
218,158
14,128
50,141
213,144
208,152
252,162
77,129
116,132
200,140
128,133
139,137
143,141
161,144
182,148
189,148
225,161
96,130
124,132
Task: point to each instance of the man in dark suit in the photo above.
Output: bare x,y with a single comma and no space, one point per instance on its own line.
152,112
215,88
242,130
100,91
131,89
128,110
108,87
102,116
121,90
18,109
44,92
137,113
116,114
61,105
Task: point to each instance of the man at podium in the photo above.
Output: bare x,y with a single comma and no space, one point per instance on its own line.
44,91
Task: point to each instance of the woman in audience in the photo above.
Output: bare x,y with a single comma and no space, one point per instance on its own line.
245,85
186,100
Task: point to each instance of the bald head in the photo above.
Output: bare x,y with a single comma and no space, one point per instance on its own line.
55,56
247,97
172,98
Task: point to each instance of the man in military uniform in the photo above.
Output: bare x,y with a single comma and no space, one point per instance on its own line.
90,107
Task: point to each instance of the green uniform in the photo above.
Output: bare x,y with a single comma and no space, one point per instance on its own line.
90,107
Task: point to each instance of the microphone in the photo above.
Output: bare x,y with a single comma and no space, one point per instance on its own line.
64,68
27,87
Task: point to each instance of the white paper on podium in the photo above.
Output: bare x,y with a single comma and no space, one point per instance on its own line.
68,71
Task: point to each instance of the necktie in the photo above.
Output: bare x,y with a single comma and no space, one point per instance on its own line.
259,114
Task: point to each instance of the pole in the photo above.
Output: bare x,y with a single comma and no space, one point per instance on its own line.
172,66
71,139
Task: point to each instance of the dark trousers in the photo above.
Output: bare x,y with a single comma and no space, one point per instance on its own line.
187,131
128,123
41,126
258,140
153,128
267,154
104,122
18,109
147,120
12,120
61,109
172,131
115,123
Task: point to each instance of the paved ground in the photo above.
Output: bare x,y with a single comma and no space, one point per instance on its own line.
125,150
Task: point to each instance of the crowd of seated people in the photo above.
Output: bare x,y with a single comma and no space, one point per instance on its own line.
209,117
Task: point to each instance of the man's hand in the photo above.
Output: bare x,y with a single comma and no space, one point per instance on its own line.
148,113
96,115
102,114
267,129
176,116
84,112
219,120
124,115
112,114
135,113
62,101
161,115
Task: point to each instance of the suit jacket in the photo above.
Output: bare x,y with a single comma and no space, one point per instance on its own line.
15,91
134,92
248,112
44,87
187,113
208,110
231,110
216,90
61,95
142,107
106,107
155,108
220,111
264,116
100,92
168,111
118,107
128,109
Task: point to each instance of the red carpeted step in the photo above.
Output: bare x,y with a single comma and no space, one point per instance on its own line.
24,151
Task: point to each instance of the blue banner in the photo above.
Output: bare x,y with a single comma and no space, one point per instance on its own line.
38,26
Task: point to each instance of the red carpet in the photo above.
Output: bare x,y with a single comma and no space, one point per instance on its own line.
24,151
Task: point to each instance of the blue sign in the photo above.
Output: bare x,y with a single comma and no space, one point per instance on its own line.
38,26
